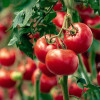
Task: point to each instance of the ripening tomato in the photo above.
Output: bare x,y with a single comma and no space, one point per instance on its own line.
5,79
46,83
98,78
75,90
59,19
27,69
42,47
7,58
44,69
62,62
84,11
81,40
92,22
58,6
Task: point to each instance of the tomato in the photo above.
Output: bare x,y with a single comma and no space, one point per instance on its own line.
27,69
84,11
62,62
81,41
58,6
46,83
7,58
75,90
85,58
57,96
42,47
2,28
92,22
12,92
98,78
59,19
44,69
5,79
1,94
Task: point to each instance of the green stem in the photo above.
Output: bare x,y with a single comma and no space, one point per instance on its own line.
37,90
20,90
64,85
83,69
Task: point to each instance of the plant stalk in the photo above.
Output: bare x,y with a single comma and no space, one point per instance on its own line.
64,85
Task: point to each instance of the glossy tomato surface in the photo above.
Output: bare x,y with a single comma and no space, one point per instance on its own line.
44,69
81,41
59,19
58,6
46,83
92,22
7,58
42,47
62,62
27,69
5,79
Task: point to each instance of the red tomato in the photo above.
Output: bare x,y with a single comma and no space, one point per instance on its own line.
58,6
7,58
44,69
27,69
92,22
42,47
75,90
12,92
57,96
80,42
59,19
62,62
2,28
84,11
98,78
5,79
46,83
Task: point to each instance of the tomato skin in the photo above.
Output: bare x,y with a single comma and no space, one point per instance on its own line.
98,78
5,79
27,69
62,62
58,6
46,83
42,47
75,90
92,22
2,28
58,96
59,19
84,11
44,69
7,58
80,42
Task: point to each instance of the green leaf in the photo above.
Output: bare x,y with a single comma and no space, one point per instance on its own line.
97,26
81,80
6,3
18,19
46,96
13,41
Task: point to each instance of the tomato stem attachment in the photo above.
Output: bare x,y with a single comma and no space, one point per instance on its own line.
83,69
64,85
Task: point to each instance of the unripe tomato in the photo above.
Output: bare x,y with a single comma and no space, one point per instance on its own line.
44,69
98,78
84,11
58,6
75,90
92,22
46,83
42,47
62,62
5,79
59,19
7,58
27,69
81,41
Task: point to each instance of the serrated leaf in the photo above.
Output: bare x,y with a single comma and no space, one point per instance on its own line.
13,41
